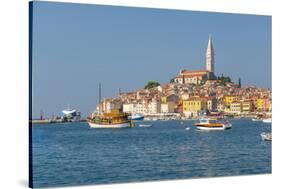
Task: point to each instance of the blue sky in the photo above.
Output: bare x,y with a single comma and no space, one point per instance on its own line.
76,46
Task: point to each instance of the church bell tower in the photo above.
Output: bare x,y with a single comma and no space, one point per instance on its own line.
210,56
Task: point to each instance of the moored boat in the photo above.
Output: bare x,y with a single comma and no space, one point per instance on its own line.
145,125
137,117
268,120
71,115
114,119
266,136
212,124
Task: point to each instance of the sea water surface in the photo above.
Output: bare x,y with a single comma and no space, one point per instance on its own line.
75,154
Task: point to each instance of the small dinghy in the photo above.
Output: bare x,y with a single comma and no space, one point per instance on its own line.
145,125
266,136
187,128
255,119
268,120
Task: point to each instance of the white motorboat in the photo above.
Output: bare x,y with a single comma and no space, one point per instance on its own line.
136,117
268,120
212,124
145,125
266,136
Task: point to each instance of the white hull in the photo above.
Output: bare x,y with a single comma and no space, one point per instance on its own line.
267,120
113,126
256,119
142,125
224,127
266,136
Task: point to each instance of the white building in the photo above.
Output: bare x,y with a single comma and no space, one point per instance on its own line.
107,105
139,108
129,108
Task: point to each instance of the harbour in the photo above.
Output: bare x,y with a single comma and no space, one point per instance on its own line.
122,94
166,150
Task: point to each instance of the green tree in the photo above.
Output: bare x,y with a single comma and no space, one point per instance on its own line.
172,80
224,79
151,84
239,82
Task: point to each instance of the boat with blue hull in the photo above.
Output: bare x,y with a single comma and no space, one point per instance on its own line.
136,117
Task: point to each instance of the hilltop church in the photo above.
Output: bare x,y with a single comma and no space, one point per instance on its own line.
200,76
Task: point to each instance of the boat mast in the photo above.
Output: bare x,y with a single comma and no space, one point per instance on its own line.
99,98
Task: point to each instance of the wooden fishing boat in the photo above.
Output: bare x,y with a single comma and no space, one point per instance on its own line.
114,119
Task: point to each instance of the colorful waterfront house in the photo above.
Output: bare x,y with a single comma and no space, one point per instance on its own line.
263,104
135,107
260,104
229,99
154,106
235,108
211,103
169,107
178,107
193,106
220,107
129,107
164,100
170,98
184,96
247,106
168,103
107,105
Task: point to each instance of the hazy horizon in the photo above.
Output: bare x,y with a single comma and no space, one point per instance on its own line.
76,46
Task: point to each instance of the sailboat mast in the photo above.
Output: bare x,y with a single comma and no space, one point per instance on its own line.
99,98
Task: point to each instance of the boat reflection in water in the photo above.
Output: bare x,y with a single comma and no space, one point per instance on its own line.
212,124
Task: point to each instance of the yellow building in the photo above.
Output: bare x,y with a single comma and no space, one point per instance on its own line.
260,104
230,99
264,104
164,100
194,106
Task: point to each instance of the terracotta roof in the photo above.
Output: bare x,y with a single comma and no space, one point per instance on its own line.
193,75
186,71
189,76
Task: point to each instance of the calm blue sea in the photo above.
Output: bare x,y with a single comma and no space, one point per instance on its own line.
75,154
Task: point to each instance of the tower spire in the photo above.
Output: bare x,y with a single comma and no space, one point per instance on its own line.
210,56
